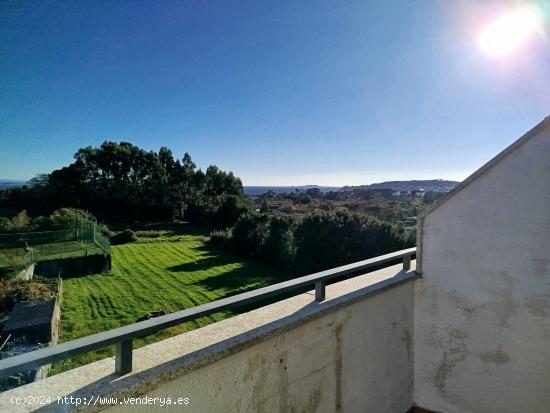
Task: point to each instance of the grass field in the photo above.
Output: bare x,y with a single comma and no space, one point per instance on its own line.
163,273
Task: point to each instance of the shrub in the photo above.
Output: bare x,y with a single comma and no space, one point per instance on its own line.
5,224
124,237
250,233
41,223
63,218
278,248
151,233
67,216
325,240
221,236
318,241
20,221
231,208
105,231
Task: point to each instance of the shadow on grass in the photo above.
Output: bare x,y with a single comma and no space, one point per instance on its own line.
168,228
246,276
249,273
203,263
208,257
238,279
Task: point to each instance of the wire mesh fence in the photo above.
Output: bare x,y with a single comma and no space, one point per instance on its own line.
19,250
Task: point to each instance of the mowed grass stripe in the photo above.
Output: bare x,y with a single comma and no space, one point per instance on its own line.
164,274
143,278
157,283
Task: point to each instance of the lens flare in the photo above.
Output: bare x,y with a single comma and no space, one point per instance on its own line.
509,31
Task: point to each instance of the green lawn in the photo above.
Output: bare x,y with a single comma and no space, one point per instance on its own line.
167,274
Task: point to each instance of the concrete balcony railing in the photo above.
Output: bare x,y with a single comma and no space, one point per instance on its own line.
341,347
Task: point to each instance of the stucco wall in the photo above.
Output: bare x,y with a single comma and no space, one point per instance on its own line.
482,309
355,359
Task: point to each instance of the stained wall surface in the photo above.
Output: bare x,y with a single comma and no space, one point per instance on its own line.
482,308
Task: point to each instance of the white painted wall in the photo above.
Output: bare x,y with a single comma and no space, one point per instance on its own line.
355,359
482,309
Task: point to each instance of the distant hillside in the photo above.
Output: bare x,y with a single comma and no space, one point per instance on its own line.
437,185
8,183
259,190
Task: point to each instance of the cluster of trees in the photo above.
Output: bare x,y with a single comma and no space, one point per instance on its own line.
318,241
382,203
346,193
122,182
59,219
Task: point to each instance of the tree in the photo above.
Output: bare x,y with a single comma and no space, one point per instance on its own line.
279,248
20,221
183,185
264,209
5,224
120,181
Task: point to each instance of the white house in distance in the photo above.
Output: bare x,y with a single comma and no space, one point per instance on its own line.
465,331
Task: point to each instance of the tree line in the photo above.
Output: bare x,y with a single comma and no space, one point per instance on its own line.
316,242
122,182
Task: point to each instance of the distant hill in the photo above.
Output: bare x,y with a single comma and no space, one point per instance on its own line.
437,185
259,190
8,183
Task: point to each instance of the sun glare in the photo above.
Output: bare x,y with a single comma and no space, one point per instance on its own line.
509,31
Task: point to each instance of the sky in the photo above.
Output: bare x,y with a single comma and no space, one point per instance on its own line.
280,92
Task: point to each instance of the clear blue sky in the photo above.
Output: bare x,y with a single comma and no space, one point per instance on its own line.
286,93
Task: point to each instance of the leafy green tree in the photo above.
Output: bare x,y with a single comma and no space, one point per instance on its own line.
325,240
183,185
5,225
120,181
229,211
68,216
250,233
279,248
20,221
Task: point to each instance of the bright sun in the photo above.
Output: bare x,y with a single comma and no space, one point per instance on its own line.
509,31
